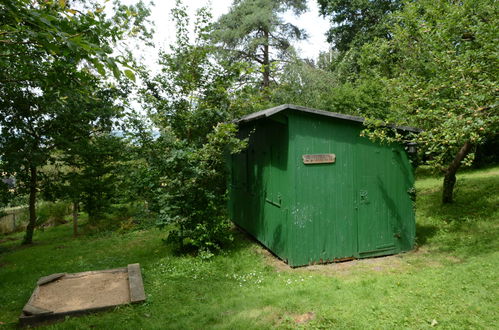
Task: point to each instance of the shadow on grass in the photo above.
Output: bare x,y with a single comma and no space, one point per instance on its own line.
240,241
11,244
3,249
424,232
467,227
424,172
475,199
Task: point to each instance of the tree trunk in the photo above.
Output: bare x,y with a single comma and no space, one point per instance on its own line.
266,60
75,218
450,173
28,238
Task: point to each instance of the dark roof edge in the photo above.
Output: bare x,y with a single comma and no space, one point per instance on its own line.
272,111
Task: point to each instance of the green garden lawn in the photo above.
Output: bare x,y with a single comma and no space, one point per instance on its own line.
449,281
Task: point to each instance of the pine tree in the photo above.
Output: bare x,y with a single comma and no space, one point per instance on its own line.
254,32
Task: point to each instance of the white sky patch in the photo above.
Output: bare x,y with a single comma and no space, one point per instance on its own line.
315,26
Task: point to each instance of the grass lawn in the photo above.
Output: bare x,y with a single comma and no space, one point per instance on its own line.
450,281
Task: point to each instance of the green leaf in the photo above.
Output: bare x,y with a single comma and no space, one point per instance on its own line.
116,71
99,67
130,75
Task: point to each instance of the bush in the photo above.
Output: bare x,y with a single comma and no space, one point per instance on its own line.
122,218
133,216
52,213
193,196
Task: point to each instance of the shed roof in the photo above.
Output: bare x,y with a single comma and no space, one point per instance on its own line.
272,111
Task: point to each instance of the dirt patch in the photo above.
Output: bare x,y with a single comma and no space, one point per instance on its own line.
454,259
294,320
83,292
377,264
272,259
304,318
419,257
265,315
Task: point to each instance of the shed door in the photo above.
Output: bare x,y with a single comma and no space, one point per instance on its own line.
275,187
375,228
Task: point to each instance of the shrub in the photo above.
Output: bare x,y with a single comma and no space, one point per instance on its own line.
193,197
132,216
52,212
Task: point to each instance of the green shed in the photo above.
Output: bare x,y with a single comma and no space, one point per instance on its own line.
312,190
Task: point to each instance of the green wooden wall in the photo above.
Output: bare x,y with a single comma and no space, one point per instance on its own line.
358,206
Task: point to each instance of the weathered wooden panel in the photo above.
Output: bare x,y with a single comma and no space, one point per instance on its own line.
260,184
14,219
323,216
49,278
79,303
33,310
137,293
319,159
385,218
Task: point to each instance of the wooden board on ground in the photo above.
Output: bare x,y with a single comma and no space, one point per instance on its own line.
60,295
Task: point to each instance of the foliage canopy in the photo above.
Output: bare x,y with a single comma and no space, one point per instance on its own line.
51,57
441,67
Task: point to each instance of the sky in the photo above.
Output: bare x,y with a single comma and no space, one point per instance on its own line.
311,22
